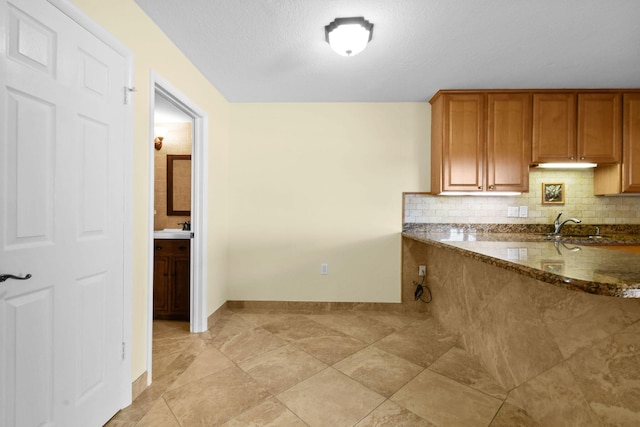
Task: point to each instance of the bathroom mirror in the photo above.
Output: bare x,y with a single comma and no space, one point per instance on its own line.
178,184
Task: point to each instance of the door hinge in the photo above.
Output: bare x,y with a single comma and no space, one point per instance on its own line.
125,94
123,351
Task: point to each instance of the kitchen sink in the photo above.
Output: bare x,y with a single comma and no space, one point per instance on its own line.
575,237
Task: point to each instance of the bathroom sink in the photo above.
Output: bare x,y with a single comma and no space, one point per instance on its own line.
172,233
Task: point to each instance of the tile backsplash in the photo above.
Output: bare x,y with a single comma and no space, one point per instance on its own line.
579,203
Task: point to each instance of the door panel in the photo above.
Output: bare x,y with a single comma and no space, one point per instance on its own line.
90,334
31,42
30,164
93,140
93,75
28,330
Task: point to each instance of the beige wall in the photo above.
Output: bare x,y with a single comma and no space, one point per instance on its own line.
153,51
177,140
322,183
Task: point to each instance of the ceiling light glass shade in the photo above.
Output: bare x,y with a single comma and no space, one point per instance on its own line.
348,36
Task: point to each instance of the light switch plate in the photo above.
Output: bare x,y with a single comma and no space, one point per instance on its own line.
524,211
512,211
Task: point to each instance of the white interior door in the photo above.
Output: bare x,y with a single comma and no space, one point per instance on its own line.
61,220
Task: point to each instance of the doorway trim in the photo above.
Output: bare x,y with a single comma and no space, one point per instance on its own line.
199,185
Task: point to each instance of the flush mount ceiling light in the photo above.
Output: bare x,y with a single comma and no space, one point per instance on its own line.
348,36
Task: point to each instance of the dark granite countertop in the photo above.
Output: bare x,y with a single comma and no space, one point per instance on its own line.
572,262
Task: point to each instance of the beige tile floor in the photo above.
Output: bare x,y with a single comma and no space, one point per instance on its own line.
259,368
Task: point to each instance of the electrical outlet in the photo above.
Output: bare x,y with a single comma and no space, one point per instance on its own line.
522,254
512,211
422,270
324,269
524,211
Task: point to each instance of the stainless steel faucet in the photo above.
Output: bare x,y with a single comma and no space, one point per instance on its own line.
558,225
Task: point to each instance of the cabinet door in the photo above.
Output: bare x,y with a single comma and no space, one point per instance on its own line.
554,127
508,141
463,142
599,127
161,285
631,144
180,292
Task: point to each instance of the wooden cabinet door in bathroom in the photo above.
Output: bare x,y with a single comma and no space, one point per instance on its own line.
171,279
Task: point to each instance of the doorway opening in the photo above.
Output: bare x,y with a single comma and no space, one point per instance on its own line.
177,211
173,141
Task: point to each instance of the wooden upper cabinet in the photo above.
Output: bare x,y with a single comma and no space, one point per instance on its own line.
463,148
554,127
577,127
631,144
508,141
457,142
625,177
600,127
480,141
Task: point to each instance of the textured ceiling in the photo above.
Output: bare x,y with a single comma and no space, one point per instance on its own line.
274,50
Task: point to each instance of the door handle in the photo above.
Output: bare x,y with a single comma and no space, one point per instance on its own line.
4,277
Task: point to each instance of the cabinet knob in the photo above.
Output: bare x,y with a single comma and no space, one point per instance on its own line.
491,187
479,187
581,158
158,248
572,158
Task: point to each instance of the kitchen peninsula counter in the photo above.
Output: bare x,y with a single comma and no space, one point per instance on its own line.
576,263
537,314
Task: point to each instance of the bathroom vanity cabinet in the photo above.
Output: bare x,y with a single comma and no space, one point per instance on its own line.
171,279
